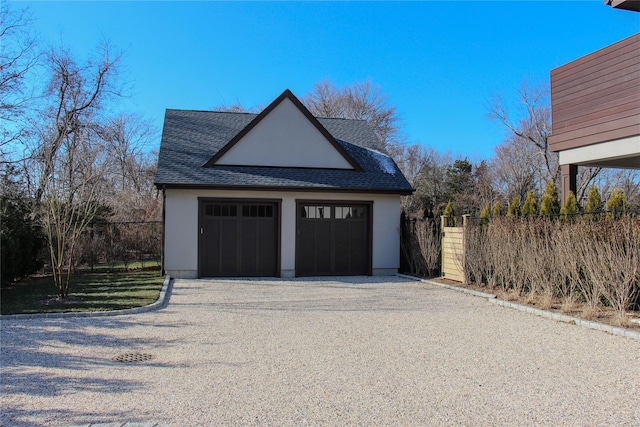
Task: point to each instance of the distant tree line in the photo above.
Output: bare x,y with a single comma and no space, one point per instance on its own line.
70,157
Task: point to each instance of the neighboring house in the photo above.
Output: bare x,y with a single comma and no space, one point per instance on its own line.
595,103
280,193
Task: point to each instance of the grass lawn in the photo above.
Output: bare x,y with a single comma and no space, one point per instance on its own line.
99,290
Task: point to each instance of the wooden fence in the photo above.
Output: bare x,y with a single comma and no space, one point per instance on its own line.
453,251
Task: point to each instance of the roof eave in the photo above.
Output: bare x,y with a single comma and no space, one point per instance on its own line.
401,192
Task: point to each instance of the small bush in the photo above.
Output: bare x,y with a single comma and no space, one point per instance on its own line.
530,206
497,209
514,207
617,200
570,205
550,204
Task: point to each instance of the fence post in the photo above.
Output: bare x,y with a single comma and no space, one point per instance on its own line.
443,224
465,222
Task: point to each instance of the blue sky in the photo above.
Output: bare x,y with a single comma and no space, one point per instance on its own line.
440,62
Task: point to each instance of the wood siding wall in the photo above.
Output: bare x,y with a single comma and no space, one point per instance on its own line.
597,98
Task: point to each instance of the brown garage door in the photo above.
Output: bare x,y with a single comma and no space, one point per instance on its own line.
333,239
238,239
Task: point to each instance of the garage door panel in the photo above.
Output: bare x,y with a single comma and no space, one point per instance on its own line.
306,247
342,247
249,247
266,255
228,247
333,239
323,245
211,245
359,236
239,239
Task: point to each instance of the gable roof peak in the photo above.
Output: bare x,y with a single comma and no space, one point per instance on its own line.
286,95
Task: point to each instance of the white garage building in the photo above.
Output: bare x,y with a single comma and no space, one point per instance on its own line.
280,194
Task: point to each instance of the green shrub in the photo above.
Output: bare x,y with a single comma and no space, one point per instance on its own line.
497,209
485,213
21,239
514,207
449,213
530,206
570,205
594,201
617,200
550,203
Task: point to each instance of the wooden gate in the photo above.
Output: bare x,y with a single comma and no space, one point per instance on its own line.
453,250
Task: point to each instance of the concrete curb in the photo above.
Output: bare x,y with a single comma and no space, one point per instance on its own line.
160,302
454,288
558,317
614,330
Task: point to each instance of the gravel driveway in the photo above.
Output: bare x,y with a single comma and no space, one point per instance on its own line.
332,351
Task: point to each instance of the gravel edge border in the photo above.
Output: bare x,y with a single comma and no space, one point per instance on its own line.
160,302
559,317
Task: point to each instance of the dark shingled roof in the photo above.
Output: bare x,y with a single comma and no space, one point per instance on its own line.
191,138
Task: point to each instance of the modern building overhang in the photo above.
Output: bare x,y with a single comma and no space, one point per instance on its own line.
623,153
595,103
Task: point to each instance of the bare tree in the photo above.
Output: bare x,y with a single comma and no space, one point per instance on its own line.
533,127
75,95
127,137
18,57
72,199
585,178
516,168
362,100
236,107
426,170
326,100
69,158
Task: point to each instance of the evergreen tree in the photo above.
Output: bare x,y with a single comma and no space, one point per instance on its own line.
20,236
594,201
485,213
550,203
497,209
530,206
450,215
570,205
617,200
460,186
514,207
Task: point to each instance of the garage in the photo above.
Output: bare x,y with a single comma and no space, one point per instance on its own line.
333,239
279,193
238,238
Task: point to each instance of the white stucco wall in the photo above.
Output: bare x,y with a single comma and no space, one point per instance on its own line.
284,138
181,238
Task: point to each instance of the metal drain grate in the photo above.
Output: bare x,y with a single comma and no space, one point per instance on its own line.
133,357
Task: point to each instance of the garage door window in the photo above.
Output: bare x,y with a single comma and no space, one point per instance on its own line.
221,210
257,211
316,212
349,212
